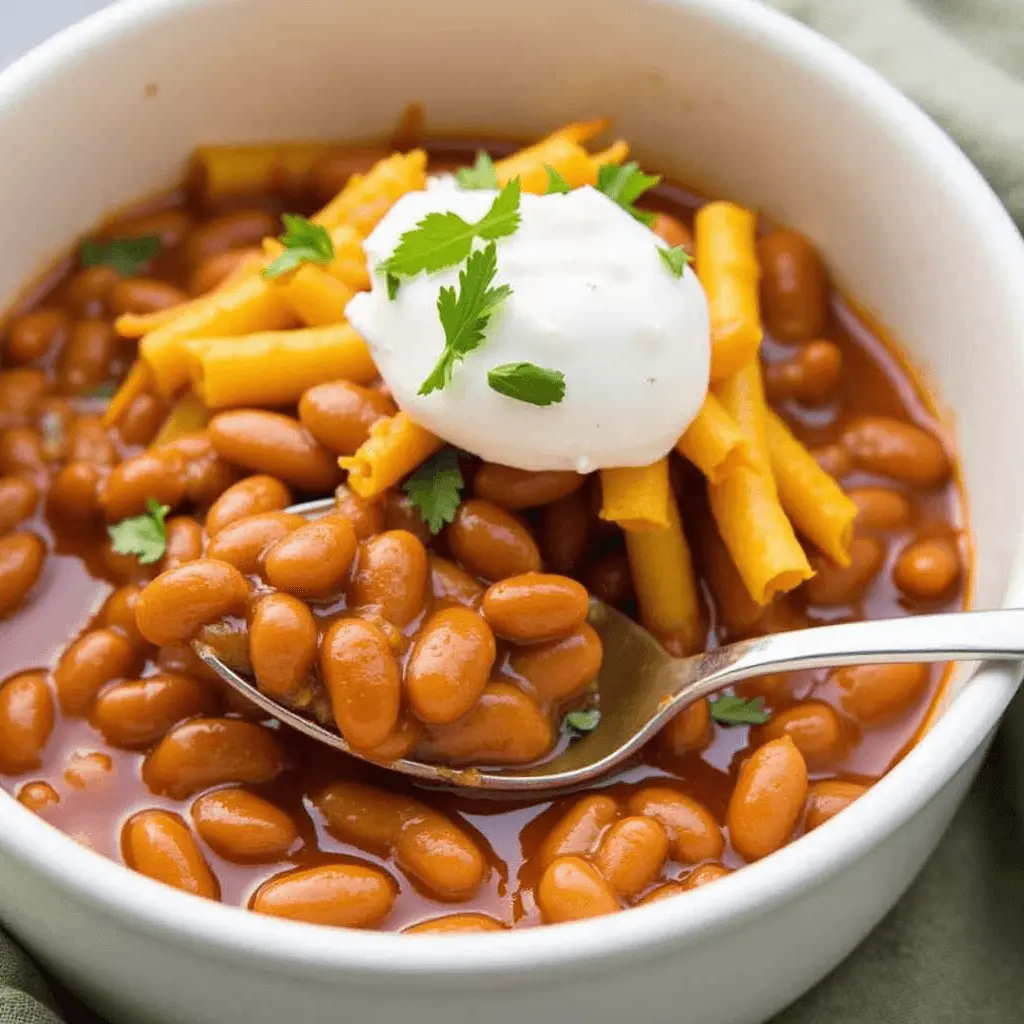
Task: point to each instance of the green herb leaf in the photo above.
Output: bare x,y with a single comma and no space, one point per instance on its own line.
465,316
626,184
442,240
583,721
304,242
435,489
556,183
392,283
730,709
125,255
527,382
675,259
481,175
144,536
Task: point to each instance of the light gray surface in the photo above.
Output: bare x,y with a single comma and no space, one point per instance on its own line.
24,23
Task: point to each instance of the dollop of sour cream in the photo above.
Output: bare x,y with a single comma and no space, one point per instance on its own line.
591,297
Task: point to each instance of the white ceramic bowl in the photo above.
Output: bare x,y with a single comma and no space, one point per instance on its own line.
721,93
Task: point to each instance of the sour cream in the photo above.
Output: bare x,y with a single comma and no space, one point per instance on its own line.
591,297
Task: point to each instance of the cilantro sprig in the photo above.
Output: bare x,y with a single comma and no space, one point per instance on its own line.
144,536
304,242
481,175
730,709
625,184
583,721
556,183
527,382
466,314
675,259
444,240
125,255
435,489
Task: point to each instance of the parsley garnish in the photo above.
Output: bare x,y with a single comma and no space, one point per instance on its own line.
583,721
465,316
435,489
442,240
392,283
675,258
125,255
556,183
626,184
304,242
481,175
732,710
527,382
144,536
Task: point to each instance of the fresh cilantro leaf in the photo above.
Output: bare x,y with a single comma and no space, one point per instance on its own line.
465,316
625,184
304,242
392,283
527,382
583,721
144,536
730,709
435,489
125,255
481,175
675,259
556,183
442,240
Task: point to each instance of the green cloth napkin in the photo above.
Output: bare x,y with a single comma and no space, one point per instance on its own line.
950,951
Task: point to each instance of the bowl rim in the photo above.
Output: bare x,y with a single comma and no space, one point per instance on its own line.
139,904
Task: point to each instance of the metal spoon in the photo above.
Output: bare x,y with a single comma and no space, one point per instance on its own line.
641,687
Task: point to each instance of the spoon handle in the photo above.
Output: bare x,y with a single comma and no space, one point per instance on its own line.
958,636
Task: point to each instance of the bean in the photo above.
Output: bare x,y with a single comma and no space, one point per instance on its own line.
452,924
340,895
812,725
18,500
928,569
142,295
663,892
87,291
811,376
267,442
35,335
26,721
400,743
74,495
559,669
874,693
672,232
793,286
205,752
578,831
156,475
449,665
248,497
441,856
38,796
330,174
138,713
535,606
838,585
689,730
366,816
505,726
242,542
879,508
118,613
901,451
158,844
834,459
312,561
609,579
243,827
215,270
184,542
85,361
339,414
178,602
282,646
390,575
632,855
827,798
91,662
450,585
140,421
563,532
401,514
89,441
692,830
516,489
491,543
20,390
229,231
171,226
365,515
207,478
21,564
124,568
705,874
22,454
89,771
767,800
571,890
362,681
